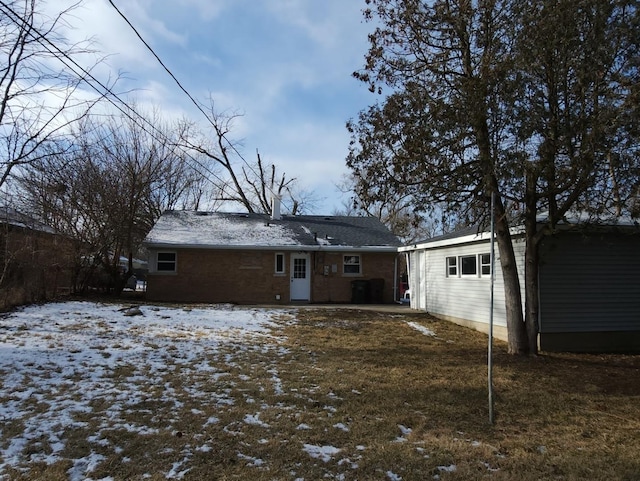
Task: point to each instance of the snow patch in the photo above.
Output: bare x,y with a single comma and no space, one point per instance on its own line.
421,329
324,453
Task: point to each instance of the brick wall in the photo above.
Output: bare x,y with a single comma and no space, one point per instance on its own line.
34,266
248,277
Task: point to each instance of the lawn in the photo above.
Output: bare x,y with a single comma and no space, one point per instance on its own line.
220,392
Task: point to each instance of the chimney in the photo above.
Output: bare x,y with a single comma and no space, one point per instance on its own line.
275,207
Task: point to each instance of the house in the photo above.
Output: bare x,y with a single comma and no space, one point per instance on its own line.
255,258
36,262
589,287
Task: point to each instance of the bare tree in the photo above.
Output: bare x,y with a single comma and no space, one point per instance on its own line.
39,83
250,185
108,191
398,210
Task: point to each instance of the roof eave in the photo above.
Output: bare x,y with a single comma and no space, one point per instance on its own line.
295,248
467,239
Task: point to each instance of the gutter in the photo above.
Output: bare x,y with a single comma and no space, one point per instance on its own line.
294,248
467,239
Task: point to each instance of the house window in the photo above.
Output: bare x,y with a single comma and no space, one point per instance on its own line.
351,265
279,263
452,267
468,266
166,262
485,264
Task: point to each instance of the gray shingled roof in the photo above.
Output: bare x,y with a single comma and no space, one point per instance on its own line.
232,230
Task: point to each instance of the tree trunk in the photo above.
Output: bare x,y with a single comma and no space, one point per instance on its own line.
517,335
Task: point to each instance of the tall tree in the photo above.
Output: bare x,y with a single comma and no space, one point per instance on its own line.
439,133
533,102
575,117
38,85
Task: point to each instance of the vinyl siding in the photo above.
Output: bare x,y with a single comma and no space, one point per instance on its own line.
462,297
590,283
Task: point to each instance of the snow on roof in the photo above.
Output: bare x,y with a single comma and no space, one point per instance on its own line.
232,230
11,216
203,228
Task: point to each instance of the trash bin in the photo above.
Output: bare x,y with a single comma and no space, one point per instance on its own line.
376,287
359,291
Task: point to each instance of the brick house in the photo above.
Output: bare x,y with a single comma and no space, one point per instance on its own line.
36,262
275,259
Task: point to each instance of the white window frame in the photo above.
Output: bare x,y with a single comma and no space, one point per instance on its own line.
348,262
167,262
283,267
451,268
475,264
482,265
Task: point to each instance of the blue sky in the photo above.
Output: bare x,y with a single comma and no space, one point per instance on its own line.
285,65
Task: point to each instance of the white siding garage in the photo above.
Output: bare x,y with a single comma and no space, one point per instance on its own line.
450,278
589,285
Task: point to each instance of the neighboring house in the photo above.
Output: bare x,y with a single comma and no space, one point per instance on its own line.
589,285
35,261
255,258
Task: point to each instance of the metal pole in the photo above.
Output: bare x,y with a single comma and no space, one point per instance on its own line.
490,347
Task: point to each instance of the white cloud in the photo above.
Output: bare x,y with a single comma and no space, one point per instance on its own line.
284,65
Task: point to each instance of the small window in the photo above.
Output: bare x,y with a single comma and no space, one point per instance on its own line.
485,264
452,267
166,262
351,265
279,263
468,266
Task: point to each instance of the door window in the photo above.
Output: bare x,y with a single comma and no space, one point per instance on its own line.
299,268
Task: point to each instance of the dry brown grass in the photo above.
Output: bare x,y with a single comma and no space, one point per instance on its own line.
398,405
559,416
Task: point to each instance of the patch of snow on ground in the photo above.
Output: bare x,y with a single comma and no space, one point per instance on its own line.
342,427
325,453
422,329
405,432
254,419
62,356
448,469
393,477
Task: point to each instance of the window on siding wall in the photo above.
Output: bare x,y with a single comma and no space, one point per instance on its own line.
351,265
468,265
452,267
279,263
485,264
166,262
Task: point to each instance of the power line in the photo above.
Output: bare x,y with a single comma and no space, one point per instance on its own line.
107,92
161,62
198,106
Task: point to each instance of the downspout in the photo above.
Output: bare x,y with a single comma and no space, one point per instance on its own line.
396,298
409,278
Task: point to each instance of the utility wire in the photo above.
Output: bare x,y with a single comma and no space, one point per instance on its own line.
197,104
84,74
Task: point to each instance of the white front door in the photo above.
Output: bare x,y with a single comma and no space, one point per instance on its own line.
300,278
